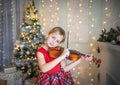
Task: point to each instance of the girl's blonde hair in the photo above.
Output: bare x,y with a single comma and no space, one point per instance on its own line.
59,30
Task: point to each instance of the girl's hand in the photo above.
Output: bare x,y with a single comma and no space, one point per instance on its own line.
88,57
65,53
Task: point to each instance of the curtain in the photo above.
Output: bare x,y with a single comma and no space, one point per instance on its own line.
10,20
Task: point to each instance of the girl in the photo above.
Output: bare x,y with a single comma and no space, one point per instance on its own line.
54,71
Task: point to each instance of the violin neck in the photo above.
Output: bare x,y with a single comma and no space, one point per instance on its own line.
76,52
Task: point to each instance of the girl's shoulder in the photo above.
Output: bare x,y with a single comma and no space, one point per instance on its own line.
41,49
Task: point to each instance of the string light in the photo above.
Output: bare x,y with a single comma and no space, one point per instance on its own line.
90,74
50,19
78,73
78,82
73,69
91,44
94,38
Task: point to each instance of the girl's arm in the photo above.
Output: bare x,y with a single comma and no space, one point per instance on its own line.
69,66
48,66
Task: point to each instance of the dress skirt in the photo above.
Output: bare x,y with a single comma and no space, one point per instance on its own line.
58,78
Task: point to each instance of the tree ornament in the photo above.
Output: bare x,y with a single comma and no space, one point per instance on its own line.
113,42
118,38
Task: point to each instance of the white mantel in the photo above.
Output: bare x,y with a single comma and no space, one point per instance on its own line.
110,55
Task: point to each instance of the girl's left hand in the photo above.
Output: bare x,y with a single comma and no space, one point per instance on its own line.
88,57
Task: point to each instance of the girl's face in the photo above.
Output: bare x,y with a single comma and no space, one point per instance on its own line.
54,39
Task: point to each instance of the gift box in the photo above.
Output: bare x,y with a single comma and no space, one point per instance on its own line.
10,69
14,78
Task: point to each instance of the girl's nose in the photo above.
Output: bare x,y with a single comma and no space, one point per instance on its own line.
53,41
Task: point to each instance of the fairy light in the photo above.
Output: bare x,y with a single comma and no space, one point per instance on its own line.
80,22
78,82
81,11
76,77
91,1
28,58
44,24
80,5
91,44
69,9
94,38
43,5
94,50
51,0
91,84
92,25
90,32
106,0
90,74
68,25
51,6
92,80
73,69
78,73
90,13
108,14
104,22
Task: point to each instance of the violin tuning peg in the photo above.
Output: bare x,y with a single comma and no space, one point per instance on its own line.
99,61
98,65
98,49
94,59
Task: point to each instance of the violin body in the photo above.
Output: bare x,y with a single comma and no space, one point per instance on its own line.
74,54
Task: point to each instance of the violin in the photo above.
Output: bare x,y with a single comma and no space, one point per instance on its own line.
74,54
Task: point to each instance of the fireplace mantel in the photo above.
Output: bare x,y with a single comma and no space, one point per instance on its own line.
111,63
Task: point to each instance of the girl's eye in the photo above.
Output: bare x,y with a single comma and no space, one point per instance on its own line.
53,37
58,41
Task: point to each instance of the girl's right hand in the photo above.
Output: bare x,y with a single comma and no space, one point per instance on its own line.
65,53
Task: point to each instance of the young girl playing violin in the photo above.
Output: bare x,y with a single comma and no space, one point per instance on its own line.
55,71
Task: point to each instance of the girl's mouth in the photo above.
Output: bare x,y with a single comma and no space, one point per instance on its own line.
51,44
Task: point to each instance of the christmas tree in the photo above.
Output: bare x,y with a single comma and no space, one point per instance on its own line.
30,39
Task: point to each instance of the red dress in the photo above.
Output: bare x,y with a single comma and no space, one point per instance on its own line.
55,76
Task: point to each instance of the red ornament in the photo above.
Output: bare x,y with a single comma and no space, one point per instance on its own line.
118,38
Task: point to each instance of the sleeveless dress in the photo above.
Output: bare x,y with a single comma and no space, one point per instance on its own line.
55,76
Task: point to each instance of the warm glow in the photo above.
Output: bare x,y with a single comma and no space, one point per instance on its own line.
91,44
94,37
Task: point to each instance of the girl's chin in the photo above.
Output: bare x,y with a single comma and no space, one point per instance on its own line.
51,46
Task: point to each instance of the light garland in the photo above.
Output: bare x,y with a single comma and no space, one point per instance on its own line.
50,14
79,24
90,14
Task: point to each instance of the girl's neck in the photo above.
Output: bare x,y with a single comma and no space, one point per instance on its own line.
45,47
